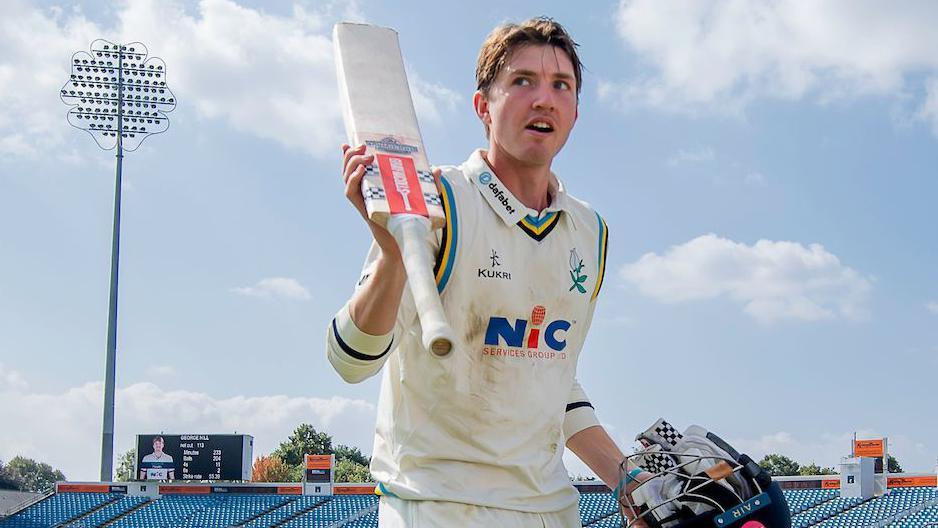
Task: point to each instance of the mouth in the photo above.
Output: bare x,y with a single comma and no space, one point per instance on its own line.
541,126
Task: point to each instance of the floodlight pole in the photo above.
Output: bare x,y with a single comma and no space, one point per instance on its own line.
107,433
98,99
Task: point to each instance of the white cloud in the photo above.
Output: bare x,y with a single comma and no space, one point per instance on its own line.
692,156
929,109
263,74
722,54
932,306
67,433
272,287
431,99
771,280
37,46
11,380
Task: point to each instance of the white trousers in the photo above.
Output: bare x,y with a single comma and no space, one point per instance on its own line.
398,513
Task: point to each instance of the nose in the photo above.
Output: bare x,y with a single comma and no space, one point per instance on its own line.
543,97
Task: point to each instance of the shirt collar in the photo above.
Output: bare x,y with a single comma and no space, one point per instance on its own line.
503,202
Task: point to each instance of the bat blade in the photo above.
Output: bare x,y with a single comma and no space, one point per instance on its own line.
399,190
379,112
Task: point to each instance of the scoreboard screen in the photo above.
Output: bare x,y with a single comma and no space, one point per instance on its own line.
194,457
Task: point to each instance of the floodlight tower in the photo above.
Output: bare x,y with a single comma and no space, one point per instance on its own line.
120,97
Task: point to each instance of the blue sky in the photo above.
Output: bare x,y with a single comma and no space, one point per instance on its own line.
767,171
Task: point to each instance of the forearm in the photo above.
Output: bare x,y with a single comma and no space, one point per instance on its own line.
600,453
361,335
374,306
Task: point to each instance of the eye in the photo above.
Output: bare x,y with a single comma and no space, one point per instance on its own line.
522,81
562,85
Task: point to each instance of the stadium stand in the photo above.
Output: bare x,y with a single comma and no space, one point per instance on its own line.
338,509
926,517
901,507
233,510
823,511
295,507
596,506
58,509
803,500
109,511
13,500
870,513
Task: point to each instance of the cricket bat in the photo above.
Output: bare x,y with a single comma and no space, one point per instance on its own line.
399,189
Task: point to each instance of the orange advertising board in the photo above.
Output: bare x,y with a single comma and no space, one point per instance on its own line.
869,448
830,484
366,489
83,488
289,490
318,461
185,490
909,482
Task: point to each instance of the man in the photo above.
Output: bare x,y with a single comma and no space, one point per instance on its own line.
477,438
157,465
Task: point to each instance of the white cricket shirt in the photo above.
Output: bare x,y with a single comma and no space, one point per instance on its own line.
487,425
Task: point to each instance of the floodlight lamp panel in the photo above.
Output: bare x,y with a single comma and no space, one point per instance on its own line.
101,95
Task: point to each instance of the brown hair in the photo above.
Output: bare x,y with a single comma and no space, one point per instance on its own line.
506,38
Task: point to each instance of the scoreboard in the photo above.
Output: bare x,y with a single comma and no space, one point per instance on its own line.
194,457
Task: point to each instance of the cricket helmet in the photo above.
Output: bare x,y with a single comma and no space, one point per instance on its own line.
698,480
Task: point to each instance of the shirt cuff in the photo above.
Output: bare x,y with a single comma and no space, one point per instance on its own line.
358,344
579,416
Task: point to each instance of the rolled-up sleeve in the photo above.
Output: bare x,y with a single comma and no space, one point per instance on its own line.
354,354
580,413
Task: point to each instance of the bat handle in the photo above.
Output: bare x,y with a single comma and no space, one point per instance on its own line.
411,232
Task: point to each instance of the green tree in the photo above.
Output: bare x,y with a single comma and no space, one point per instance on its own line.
892,465
352,454
814,469
779,465
29,475
347,470
296,473
5,481
125,465
351,463
305,440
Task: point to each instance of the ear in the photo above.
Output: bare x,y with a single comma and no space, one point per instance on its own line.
481,105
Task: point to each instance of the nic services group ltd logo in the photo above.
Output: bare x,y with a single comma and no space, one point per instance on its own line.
527,337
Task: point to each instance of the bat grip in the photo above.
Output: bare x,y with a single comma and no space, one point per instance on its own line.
411,232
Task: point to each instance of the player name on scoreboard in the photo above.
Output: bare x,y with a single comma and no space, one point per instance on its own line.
194,457
193,447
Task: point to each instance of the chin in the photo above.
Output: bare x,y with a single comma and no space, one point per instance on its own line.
538,157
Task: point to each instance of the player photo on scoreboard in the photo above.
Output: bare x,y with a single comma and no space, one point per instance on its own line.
156,463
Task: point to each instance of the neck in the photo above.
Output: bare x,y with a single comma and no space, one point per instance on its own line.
529,183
